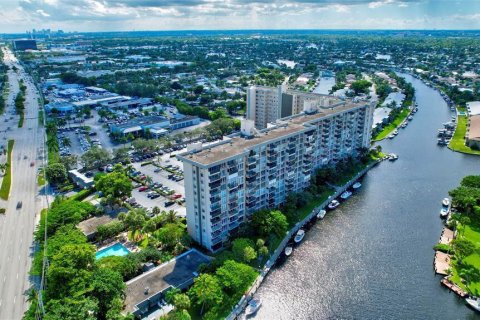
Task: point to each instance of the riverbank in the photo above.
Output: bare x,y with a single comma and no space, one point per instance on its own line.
311,216
394,125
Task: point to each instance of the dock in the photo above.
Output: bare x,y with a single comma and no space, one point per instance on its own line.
441,263
452,286
447,236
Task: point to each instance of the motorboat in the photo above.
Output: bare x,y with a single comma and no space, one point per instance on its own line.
321,214
288,251
346,195
299,236
444,213
357,185
333,205
446,202
473,302
395,132
253,307
392,157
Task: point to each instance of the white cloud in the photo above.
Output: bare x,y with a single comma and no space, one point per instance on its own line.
42,13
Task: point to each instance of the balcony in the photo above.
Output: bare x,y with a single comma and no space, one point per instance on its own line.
215,220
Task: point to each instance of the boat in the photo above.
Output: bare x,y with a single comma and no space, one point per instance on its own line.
299,236
345,195
333,205
392,157
253,307
473,302
357,185
446,202
321,214
288,251
444,213
395,132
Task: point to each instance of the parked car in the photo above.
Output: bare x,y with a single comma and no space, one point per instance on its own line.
143,188
169,203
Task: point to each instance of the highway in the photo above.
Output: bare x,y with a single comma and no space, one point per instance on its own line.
17,225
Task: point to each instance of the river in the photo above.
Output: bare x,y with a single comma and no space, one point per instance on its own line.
372,257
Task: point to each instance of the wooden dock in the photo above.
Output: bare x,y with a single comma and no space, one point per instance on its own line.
452,286
441,263
447,236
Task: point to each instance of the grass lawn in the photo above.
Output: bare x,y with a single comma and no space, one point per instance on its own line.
458,141
392,126
469,233
41,178
7,178
305,211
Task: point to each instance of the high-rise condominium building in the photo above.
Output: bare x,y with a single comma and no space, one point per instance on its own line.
226,182
267,104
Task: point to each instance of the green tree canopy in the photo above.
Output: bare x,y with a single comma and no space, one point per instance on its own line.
56,173
115,184
268,222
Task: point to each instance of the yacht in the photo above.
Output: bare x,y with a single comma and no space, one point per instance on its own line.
446,202
473,302
299,236
356,185
444,213
321,214
333,205
253,307
346,195
288,251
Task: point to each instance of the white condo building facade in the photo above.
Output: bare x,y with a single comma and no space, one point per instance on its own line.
226,182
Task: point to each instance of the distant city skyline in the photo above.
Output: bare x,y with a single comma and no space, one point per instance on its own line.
17,16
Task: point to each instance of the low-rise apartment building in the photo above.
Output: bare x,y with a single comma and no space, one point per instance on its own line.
228,181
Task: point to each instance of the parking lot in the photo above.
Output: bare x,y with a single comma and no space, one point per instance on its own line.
159,177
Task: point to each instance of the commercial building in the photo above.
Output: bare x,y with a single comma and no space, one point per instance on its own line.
61,108
156,126
267,104
473,132
25,44
226,182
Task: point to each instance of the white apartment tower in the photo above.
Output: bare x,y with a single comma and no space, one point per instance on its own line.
228,181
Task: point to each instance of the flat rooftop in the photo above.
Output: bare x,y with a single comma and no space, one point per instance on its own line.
90,226
142,121
172,273
474,130
237,145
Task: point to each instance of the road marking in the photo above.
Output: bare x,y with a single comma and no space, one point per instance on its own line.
14,299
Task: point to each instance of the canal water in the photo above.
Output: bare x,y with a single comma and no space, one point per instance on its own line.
372,257
325,85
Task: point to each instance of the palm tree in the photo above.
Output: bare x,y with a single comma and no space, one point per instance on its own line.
171,216
52,144
149,180
67,142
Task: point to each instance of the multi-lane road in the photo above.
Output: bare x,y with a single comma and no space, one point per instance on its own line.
17,225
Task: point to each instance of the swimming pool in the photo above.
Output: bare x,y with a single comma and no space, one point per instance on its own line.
115,250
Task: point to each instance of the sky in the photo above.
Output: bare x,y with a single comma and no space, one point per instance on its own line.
128,15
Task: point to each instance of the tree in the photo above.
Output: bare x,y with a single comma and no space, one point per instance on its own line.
170,234
243,250
107,286
128,266
115,184
360,86
135,219
206,291
70,162
121,155
198,90
235,277
181,301
267,222
3,167
72,309
56,173
95,158
70,270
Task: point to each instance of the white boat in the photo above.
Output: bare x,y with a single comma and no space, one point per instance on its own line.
444,213
392,157
321,214
474,303
357,185
345,195
288,251
333,205
299,236
446,202
253,307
